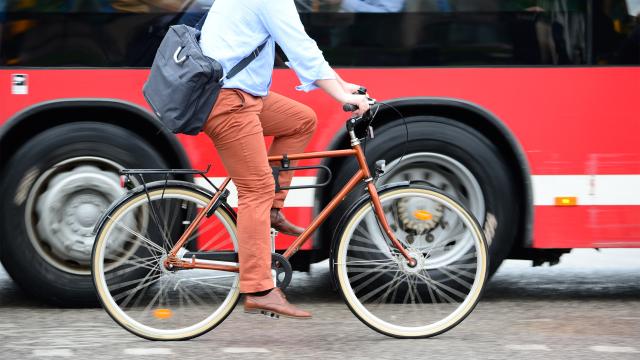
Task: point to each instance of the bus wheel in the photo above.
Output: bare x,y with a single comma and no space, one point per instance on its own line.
54,190
456,159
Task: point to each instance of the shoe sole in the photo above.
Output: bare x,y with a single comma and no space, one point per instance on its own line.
274,315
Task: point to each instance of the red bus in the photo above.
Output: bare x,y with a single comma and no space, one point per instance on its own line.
525,110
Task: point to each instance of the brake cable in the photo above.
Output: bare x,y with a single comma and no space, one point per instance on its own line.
406,128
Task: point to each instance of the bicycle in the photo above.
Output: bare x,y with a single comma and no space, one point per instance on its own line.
386,258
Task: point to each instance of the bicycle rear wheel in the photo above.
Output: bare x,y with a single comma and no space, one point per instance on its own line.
135,287
390,296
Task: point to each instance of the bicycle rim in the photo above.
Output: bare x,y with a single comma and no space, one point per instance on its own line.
391,297
135,288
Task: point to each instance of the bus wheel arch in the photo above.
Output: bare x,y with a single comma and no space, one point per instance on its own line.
42,116
454,113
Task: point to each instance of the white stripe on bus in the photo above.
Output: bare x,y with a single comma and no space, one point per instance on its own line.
589,189
295,198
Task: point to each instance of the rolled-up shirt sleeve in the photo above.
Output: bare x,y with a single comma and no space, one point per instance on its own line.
282,20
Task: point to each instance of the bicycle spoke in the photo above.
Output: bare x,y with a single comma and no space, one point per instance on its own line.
144,263
209,244
456,273
197,281
393,286
164,227
365,298
355,262
130,293
440,287
147,241
364,272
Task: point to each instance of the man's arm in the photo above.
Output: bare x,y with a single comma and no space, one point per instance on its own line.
283,23
348,87
334,88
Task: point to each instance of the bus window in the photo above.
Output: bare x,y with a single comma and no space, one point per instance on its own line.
616,32
394,33
449,32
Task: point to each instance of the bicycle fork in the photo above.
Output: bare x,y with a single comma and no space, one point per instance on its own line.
375,199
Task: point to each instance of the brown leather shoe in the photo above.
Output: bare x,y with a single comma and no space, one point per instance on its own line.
273,304
280,223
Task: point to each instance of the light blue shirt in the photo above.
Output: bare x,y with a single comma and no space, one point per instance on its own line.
234,28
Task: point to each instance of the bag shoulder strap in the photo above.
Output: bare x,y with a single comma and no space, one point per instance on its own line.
200,22
246,61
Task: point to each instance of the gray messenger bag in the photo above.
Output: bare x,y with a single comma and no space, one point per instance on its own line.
183,84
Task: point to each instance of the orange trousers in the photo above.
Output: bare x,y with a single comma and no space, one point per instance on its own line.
237,125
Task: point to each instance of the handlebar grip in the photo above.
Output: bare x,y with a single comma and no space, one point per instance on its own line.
349,107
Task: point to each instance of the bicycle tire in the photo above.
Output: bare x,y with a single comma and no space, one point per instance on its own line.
350,285
176,191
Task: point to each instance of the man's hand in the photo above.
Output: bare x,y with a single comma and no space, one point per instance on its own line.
361,101
336,89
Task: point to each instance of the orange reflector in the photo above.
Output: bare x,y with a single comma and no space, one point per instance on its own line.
422,215
162,313
566,201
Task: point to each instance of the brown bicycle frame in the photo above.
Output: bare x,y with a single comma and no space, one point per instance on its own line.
363,174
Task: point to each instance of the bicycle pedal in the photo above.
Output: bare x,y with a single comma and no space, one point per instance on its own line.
270,315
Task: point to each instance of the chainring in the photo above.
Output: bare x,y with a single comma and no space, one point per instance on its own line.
283,269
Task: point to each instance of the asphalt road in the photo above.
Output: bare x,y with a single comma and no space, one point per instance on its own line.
588,307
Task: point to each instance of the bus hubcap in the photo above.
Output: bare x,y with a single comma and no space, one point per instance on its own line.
65,204
451,177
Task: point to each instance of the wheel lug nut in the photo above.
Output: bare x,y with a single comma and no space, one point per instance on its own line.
410,239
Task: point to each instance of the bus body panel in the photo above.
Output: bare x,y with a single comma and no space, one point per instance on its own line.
578,127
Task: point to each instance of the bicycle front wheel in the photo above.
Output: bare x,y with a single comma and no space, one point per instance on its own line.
389,295
131,280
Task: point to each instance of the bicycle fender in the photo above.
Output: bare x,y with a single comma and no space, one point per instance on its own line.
153,186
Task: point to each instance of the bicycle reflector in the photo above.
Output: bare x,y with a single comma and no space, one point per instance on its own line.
422,215
162,313
126,183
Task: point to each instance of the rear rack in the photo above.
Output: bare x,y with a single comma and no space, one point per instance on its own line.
165,171
139,173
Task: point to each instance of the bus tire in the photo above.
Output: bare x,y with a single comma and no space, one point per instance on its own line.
53,191
450,156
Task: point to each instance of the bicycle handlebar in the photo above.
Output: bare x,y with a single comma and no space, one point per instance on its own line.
349,107
353,107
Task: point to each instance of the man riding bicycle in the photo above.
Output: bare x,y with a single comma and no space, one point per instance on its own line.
246,110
